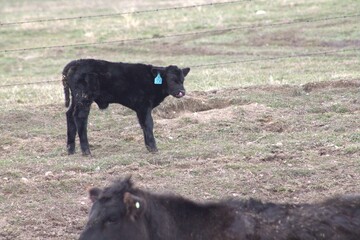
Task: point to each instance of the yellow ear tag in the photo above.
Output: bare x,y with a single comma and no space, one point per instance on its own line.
137,205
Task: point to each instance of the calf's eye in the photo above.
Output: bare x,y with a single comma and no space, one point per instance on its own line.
112,219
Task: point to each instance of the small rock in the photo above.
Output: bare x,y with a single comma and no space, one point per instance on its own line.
49,175
24,180
260,12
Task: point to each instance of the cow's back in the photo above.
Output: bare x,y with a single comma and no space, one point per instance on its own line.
337,218
113,73
86,66
117,82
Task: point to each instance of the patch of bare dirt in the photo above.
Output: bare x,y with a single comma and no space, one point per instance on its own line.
290,37
309,87
294,38
197,102
179,48
341,43
218,115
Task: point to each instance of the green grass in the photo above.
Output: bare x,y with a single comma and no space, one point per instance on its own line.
40,65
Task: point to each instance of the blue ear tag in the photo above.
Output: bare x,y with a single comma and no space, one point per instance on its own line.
158,79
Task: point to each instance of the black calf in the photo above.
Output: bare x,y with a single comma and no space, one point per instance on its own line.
139,87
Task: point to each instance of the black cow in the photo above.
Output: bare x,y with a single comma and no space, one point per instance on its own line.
122,212
139,87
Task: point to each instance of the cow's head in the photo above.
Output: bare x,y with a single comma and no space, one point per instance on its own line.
116,214
173,79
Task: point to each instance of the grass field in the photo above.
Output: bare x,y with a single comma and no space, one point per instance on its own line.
284,129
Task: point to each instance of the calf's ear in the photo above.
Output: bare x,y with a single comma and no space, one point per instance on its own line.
135,206
185,71
156,70
94,194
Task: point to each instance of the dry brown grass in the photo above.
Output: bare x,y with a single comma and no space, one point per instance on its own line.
274,143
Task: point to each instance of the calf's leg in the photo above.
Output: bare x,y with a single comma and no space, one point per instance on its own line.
81,114
71,129
147,125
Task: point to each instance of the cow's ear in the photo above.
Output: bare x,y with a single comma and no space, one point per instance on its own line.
135,206
156,70
94,194
185,71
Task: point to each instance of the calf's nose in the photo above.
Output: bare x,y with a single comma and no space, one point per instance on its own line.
180,94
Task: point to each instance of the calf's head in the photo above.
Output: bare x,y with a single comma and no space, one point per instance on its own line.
116,214
172,79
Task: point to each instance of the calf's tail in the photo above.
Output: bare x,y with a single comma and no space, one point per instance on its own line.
66,91
65,75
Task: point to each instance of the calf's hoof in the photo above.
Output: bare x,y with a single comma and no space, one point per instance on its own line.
70,149
152,149
86,152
